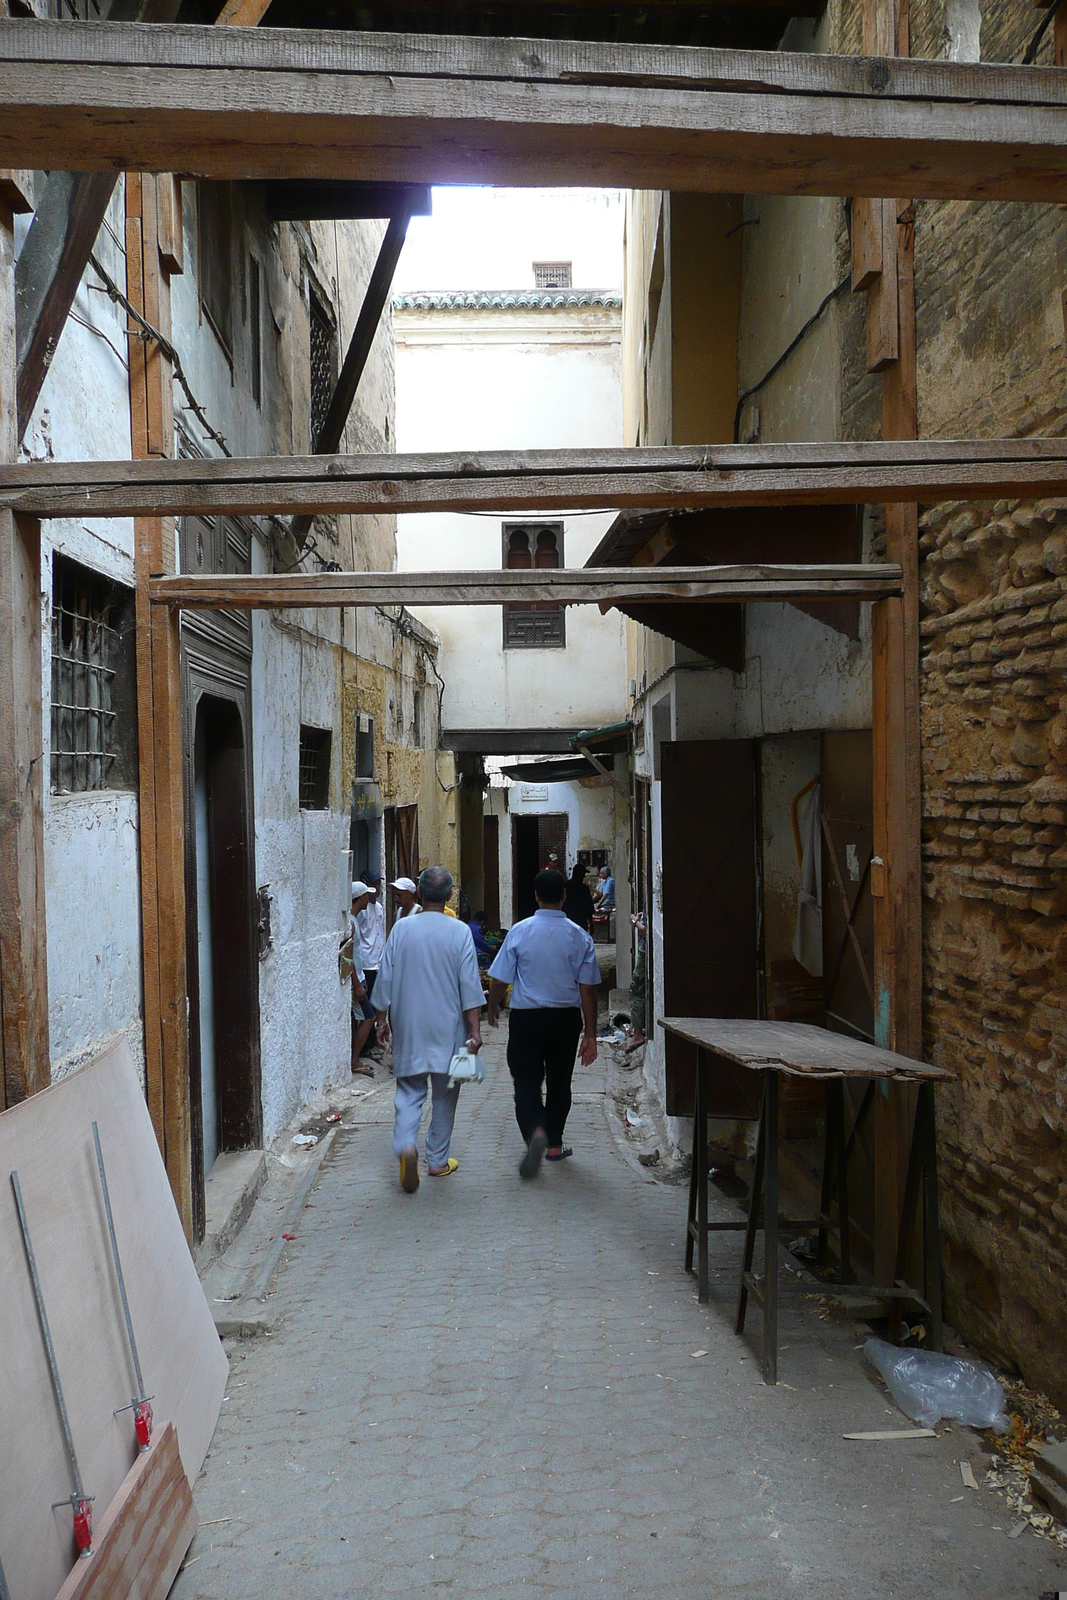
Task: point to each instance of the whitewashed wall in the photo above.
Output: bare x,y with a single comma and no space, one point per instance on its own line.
92,882
512,379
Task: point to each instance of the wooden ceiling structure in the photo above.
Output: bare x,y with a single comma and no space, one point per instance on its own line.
417,108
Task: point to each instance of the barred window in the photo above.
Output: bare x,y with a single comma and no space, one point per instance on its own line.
93,722
552,274
315,748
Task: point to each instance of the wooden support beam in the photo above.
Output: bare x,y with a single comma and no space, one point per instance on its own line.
162,826
896,734
582,586
667,479
368,321
248,103
24,1049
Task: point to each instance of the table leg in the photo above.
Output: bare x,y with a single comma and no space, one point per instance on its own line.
753,1211
907,1216
844,1240
931,1216
700,1143
829,1150
770,1236
694,1179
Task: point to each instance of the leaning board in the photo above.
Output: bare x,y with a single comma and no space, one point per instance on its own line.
48,1138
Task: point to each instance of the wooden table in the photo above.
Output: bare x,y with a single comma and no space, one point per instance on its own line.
797,1050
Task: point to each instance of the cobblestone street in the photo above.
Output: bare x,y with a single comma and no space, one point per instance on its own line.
493,1388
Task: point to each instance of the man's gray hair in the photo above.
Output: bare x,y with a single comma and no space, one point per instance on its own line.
435,885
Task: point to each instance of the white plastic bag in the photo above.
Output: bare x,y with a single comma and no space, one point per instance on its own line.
465,1068
928,1386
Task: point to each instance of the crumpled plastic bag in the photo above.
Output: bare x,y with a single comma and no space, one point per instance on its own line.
928,1386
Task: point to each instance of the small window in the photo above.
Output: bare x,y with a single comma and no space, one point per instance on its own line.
94,705
539,626
364,746
552,274
216,259
255,322
323,366
315,746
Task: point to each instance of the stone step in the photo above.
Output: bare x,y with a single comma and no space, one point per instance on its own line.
1052,1459
1051,1492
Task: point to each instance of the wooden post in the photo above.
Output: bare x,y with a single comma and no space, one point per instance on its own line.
896,882
162,822
23,943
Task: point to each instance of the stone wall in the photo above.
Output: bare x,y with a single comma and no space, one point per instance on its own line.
990,335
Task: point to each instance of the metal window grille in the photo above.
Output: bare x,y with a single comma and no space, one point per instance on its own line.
85,656
322,368
315,745
552,274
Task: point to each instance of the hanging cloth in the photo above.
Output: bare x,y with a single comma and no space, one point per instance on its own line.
807,833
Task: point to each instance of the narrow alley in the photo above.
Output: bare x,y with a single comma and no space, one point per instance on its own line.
493,1388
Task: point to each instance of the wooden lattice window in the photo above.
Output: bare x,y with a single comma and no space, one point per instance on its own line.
539,626
93,721
323,366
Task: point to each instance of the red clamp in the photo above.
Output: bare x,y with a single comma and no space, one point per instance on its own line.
83,1526
142,1422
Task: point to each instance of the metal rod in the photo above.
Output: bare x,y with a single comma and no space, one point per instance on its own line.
118,1263
57,1387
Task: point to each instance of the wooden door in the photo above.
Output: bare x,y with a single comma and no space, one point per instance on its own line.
710,898
491,855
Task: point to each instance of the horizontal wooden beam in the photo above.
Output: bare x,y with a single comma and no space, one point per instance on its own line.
415,108
583,586
672,478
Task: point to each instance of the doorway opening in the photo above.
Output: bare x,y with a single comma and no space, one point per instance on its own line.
535,840
224,1036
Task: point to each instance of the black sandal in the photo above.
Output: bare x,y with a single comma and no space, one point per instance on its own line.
564,1152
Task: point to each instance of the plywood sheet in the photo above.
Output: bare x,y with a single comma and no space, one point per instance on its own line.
48,1138
144,1533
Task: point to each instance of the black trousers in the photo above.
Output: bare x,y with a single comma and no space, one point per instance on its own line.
542,1045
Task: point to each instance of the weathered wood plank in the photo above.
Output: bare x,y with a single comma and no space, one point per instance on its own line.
543,480
24,1045
143,1535
585,585
247,103
159,722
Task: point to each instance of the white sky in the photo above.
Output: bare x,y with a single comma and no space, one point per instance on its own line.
490,238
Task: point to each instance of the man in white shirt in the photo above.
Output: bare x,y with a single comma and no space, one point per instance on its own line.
428,999
371,924
552,965
404,891
362,1010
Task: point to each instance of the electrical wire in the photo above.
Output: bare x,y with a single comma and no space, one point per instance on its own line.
146,332
826,301
1030,53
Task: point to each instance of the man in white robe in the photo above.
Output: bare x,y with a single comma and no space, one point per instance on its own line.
427,999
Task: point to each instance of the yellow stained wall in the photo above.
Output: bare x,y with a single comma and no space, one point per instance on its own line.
705,245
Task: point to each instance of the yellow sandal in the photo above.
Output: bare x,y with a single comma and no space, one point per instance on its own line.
445,1172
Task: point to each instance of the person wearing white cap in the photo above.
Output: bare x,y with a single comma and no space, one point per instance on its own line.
428,1000
404,891
362,1010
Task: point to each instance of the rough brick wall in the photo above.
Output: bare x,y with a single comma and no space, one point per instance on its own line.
991,362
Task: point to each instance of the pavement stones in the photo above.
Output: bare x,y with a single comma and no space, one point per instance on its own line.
493,1388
